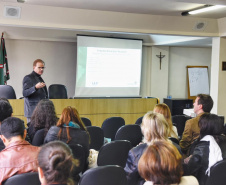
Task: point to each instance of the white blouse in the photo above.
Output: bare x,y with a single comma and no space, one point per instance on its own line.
185,180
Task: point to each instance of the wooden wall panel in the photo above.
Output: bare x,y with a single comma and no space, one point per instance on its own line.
97,110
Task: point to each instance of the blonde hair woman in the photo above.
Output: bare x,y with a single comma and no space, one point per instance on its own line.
163,109
154,128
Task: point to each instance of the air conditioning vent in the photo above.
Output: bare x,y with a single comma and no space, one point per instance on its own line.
12,12
200,26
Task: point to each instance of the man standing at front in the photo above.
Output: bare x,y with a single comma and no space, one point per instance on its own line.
34,88
19,156
203,103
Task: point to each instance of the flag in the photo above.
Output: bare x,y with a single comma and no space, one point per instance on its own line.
4,69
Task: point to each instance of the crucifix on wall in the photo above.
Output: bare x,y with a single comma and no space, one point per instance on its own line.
160,58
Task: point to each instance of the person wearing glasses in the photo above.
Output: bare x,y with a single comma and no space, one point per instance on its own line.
34,88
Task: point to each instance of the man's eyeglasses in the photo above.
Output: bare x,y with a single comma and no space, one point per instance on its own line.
41,68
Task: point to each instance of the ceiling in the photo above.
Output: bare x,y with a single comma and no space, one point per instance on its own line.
153,7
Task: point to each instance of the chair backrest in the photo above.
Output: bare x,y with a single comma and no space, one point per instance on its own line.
38,138
179,122
78,153
96,137
217,174
86,121
131,133
104,175
7,91
114,153
23,179
111,125
139,120
57,91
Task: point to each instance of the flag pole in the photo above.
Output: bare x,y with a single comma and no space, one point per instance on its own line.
4,69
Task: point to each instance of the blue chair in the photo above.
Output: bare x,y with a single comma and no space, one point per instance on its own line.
104,175
114,153
139,120
23,179
217,174
96,137
7,91
131,133
38,138
111,125
86,121
57,91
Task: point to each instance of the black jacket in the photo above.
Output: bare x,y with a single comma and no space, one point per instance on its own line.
199,161
78,136
31,95
131,168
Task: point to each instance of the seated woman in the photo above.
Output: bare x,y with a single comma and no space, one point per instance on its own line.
210,148
69,129
163,109
154,128
44,116
56,163
161,164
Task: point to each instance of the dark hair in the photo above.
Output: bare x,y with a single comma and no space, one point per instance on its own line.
5,99
206,101
44,116
56,161
161,163
5,110
11,127
210,124
69,114
37,61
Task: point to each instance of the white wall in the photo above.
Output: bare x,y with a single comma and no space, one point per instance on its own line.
221,104
214,88
146,71
159,77
180,57
60,59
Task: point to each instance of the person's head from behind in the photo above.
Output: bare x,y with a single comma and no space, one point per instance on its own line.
154,127
163,109
5,109
203,103
210,124
12,129
70,114
161,163
56,162
44,115
5,99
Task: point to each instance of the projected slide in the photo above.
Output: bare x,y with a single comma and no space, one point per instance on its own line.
108,67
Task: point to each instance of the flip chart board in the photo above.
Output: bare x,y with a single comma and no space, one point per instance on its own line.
198,80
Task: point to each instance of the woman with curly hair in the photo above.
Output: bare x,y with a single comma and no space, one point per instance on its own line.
69,129
56,163
44,116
